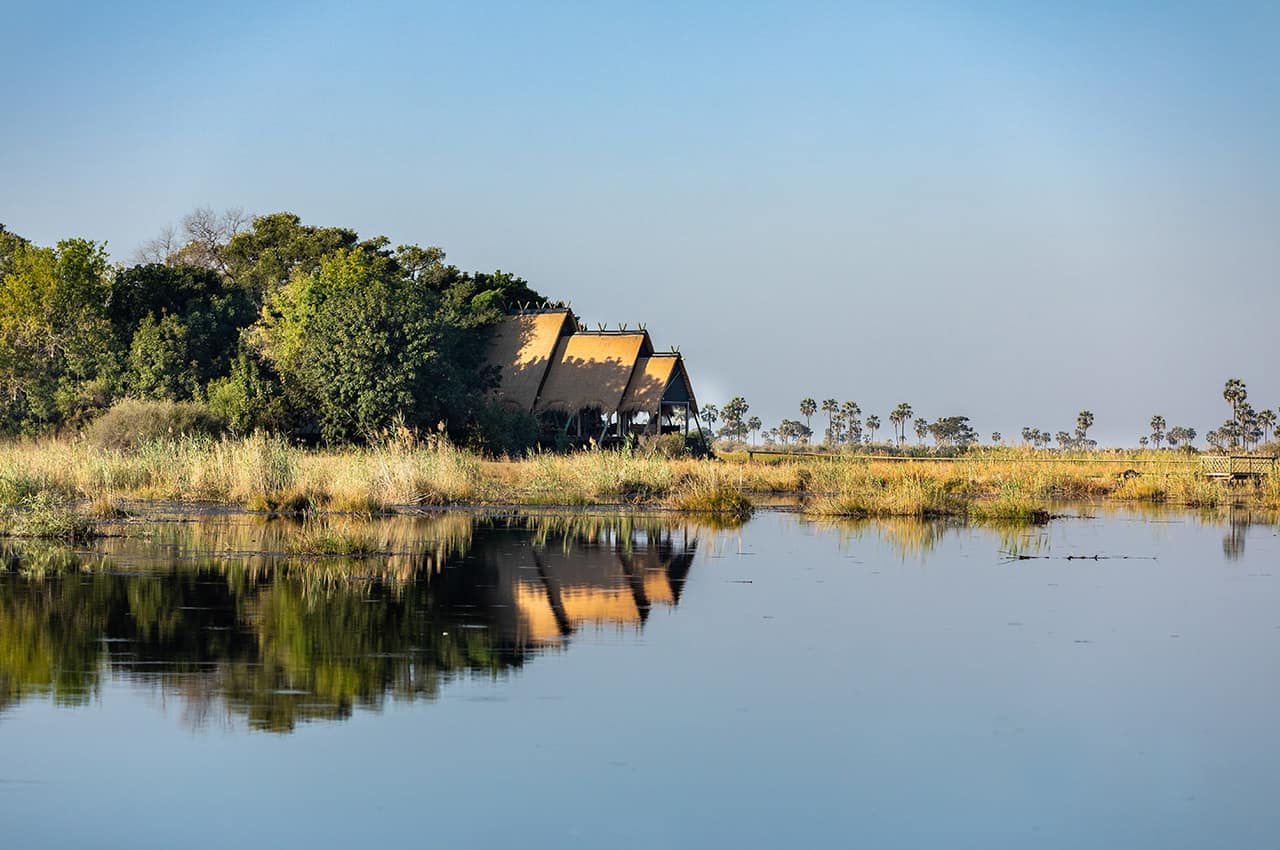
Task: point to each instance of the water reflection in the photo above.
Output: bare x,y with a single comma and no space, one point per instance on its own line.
917,539
213,612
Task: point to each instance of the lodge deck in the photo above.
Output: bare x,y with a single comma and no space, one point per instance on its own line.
1237,466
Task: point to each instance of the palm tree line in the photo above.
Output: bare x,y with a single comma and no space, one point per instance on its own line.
1246,428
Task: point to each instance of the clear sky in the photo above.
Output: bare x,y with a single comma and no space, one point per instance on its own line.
1003,210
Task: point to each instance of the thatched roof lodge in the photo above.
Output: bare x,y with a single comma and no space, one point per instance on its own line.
601,385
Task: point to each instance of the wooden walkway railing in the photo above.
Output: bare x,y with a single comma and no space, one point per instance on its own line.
752,454
1237,466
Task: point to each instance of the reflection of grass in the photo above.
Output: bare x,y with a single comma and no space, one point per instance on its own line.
333,540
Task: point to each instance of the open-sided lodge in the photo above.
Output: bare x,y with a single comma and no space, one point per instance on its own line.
590,385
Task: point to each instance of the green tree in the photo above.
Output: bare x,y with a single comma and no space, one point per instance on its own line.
873,425
899,418
753,425
181,326
1084,421
1235,395
831,407
852,421
808,407
734,413
710,414
58,357
9,242
1267,421
1157,429
922,430
953,431
279,246
363,345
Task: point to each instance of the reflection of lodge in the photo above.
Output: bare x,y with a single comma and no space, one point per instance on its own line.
600,385
278,640
594,581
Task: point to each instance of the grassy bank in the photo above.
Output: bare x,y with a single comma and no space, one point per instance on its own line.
263,473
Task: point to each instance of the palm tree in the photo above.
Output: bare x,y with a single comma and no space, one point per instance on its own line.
899,417
1250,429
922,430
873,425
753,425
710,414
808,407
830,407
1144,441
996,437
1235,394
852,424
1157,429
1084,421
1267,420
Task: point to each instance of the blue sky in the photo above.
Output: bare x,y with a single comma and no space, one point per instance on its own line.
1003,210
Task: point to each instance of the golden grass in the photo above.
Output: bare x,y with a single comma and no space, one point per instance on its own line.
266,474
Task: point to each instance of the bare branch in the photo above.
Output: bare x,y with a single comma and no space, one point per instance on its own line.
159,249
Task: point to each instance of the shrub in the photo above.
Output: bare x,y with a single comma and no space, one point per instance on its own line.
666,445
131,423
47,517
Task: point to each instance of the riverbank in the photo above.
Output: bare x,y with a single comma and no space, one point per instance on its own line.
266,474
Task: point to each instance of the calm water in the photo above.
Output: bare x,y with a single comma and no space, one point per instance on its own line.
621,682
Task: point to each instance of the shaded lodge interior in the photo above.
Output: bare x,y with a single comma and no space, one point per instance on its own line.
602,385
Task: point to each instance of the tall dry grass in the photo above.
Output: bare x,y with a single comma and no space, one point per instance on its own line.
265,473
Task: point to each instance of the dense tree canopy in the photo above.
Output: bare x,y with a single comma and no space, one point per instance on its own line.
305,330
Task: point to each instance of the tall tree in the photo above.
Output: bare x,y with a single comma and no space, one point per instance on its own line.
1157,429
734,415
899,417
9,242
1235,394
710,414
753,425
1266,421
59,362
852,421
808,407
1084,421
953,431
873,425
180,325
831,407
922,430
357,344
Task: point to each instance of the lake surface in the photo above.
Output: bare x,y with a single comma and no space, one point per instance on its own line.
640,681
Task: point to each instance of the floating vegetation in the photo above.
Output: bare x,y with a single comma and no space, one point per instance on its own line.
46,516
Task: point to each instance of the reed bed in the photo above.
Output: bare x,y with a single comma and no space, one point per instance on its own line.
267,474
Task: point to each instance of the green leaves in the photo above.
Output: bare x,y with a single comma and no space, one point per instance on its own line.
303,330
57,351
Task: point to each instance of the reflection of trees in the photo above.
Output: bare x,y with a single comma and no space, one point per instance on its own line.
1233,541
230,628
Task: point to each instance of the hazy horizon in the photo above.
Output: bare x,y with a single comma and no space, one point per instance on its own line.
1006,212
